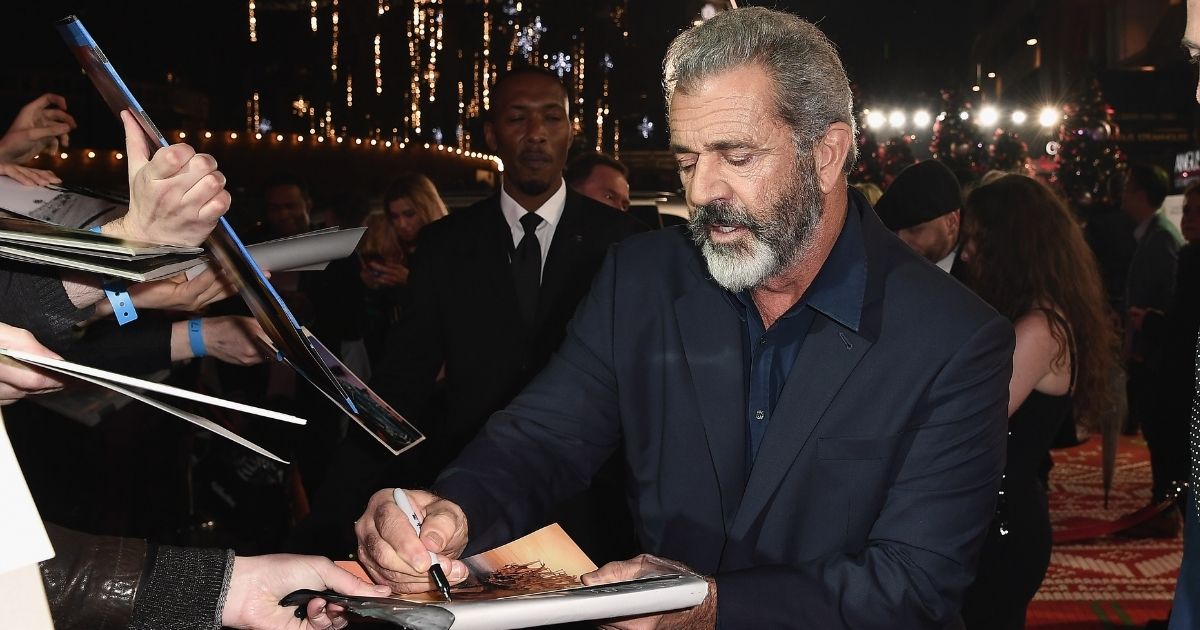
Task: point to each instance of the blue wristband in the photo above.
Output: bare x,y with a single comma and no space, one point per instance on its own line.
196,338
118,297
122,304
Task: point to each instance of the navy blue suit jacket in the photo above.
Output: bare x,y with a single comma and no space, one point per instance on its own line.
878,473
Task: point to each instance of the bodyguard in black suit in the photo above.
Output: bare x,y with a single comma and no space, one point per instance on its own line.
798,423
490,301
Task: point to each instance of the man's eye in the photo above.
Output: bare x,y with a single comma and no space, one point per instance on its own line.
739,160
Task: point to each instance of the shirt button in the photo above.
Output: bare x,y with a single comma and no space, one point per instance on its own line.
762,341
759,415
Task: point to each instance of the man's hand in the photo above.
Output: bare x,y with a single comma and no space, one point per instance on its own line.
177,197
29,176
703,615
388,547
259,582
177,293
234,339
41,126
18,380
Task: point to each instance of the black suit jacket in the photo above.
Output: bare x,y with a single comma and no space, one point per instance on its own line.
465,316
877,477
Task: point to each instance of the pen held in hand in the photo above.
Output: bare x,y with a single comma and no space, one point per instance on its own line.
435,569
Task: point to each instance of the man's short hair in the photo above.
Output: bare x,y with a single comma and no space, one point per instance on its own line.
1151,180
281,180
811,89
524,70
581,166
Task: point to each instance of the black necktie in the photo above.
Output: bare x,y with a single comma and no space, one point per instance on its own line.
527,267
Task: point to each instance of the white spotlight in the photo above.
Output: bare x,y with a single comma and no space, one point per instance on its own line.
964,115
876,120
1019,117
988,116
921,119
897,119
1048,117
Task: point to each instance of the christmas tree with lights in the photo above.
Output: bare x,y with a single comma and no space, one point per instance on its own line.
956,139
895,156
1008,152
1088,156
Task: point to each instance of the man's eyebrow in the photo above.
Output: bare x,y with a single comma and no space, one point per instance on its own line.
719,145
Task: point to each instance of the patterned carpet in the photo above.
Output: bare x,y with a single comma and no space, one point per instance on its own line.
1108,582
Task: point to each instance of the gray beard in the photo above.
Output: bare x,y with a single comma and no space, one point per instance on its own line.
774,242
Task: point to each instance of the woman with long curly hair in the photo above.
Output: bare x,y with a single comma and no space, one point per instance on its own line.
1025,255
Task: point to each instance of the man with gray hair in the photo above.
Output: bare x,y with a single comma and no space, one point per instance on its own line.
798,425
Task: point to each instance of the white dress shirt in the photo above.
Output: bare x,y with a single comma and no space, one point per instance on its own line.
551,212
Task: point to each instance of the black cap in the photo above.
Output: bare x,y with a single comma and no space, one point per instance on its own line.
922,192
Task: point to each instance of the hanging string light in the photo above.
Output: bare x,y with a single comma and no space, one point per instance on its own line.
349,90
599,126
378,67
579,85
333,51
381,8
617,139
462,109
486,75
312,15
435,45
602,105
253,23
413,120
253,114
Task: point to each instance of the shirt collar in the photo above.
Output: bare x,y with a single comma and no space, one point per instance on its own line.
947,261
551,211
840,286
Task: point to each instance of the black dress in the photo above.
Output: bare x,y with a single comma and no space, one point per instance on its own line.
1017,551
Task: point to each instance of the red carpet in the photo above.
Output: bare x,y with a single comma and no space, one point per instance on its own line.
1108,582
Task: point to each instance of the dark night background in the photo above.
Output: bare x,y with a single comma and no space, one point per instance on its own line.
894,51
193,68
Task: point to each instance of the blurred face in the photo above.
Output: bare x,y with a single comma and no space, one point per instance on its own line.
287,210
406,219
606,185
1191,35
1190,223
531,132
934,239
754,202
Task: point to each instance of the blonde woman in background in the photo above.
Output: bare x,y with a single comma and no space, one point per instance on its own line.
410,203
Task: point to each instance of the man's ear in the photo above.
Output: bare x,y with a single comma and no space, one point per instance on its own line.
954,219
830,153
489,136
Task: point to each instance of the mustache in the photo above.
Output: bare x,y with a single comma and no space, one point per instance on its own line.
722,212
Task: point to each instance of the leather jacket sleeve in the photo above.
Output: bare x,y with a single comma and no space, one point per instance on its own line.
109,583
92,581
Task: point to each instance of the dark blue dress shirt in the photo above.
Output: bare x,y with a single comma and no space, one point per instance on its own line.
770,355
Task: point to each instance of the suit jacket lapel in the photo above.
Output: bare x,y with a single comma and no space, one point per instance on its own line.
712,341
494,247
828,356
569,239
